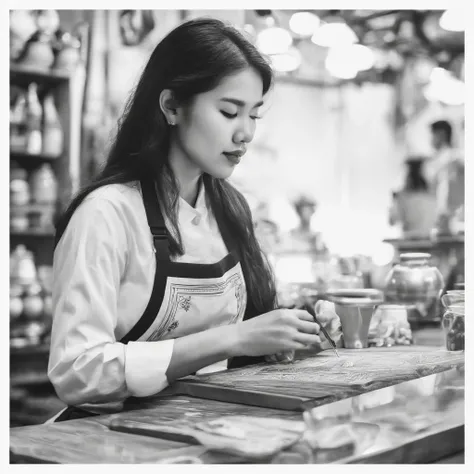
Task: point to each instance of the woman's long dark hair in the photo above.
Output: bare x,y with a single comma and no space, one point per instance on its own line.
191,59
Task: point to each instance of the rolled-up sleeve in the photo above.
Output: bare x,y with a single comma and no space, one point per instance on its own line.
86,363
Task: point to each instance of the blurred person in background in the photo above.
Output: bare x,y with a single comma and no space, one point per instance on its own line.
445,173
302,238
414,206
157,270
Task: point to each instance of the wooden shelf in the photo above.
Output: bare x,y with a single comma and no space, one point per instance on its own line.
32,233
22,156
25,74
415,244
31,378
29,350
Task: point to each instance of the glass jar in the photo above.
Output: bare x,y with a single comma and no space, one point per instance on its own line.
453,320
413,281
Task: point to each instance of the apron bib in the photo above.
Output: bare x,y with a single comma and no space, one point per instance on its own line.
187,298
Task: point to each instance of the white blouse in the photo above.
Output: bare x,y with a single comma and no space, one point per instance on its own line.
104,267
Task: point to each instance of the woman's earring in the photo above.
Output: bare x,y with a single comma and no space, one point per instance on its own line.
172,124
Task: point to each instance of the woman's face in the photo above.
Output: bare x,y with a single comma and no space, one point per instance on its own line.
214,129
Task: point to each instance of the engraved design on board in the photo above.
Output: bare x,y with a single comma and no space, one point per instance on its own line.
181,292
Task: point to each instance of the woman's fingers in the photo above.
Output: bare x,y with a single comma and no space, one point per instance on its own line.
307,339
303,315
308,327
285,356
271,358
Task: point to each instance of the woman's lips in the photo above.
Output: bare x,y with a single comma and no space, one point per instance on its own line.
233,158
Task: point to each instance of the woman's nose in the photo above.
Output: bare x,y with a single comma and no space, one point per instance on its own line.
245,133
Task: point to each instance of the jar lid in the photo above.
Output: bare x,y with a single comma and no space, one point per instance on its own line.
405,257
356,296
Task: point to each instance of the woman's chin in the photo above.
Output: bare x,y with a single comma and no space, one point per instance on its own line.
221,173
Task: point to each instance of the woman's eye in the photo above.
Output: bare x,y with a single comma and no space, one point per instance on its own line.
228,115
255,118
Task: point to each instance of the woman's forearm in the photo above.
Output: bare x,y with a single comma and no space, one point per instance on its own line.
195,351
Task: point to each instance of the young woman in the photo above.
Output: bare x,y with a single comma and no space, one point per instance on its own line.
157,271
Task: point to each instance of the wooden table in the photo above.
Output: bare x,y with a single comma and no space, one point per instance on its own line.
438,399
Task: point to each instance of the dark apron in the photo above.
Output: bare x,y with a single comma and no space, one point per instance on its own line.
173,269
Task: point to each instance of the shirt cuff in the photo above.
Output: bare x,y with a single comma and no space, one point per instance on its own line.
146,364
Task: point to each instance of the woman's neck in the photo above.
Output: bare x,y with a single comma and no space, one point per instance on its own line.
187,174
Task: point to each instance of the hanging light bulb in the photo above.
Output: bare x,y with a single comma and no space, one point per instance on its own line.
304,24
439,74
362,56
453,20
334,34
286,62
346,61
338,63
444,87
449,94
274,40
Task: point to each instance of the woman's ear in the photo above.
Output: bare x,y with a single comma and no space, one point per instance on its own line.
169,106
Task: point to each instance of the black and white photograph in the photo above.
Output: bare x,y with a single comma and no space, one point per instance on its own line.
237,235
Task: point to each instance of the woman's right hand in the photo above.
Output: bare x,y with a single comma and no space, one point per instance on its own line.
277,331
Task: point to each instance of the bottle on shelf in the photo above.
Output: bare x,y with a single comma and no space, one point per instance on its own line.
19,198
33,124
43,185
53,137
18,123
16,302
44,193
38,52
22,267
68,55
33,303
19,187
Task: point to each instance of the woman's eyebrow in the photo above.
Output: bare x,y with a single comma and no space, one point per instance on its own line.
240,103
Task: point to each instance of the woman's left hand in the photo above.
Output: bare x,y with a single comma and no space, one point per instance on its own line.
329,319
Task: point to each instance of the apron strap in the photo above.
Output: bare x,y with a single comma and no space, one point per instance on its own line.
153,306
162,256
155,220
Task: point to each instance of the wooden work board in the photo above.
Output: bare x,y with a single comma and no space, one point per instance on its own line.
318,379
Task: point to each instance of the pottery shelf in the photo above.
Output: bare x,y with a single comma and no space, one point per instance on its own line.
20,74
27,158
32,233
28,364
67,89
30,350
425,244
